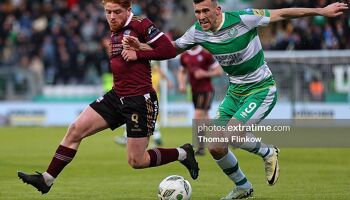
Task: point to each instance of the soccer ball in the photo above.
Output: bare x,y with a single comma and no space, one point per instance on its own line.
174,187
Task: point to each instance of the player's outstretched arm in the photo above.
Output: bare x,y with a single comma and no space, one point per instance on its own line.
165,77
133,43
181,77
161,49
332,10
178,50
216,71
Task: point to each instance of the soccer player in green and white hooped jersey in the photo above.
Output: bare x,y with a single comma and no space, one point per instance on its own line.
252,93
233,39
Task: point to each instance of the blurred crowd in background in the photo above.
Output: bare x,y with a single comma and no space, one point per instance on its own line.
307,33
61,41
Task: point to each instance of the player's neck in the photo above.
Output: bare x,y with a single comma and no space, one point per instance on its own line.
218,23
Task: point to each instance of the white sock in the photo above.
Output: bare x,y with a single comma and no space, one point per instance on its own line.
48,178
229,165
157,135
257,148
182,154
266,152
125,134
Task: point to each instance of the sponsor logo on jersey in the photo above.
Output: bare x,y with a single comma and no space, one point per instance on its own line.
233,32
229,59
116,45
117,49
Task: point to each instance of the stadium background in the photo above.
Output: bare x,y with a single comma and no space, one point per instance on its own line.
53,63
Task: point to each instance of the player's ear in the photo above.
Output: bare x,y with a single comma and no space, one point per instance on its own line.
218,10
128,10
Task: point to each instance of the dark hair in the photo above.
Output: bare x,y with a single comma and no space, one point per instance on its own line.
122,3
199,1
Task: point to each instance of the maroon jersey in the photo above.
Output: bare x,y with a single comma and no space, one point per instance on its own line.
193,60
132,78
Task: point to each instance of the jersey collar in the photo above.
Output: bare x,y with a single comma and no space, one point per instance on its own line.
129,19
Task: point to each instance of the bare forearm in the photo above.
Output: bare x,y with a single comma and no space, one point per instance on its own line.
163,76
332,10
217,71
181,77
213,73
291,13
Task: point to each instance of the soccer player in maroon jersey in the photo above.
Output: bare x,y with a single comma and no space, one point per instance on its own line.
132,101
200,66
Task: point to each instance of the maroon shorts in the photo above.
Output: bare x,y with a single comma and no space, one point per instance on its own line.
202,100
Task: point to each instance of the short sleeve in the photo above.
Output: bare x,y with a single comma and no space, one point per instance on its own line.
187,40
253,18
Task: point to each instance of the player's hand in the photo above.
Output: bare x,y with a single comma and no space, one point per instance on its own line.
170,84
334,9
182,88
131,43
129,55
199,74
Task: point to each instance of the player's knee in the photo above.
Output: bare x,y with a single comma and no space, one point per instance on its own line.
217,153
199,114
74,133
135,163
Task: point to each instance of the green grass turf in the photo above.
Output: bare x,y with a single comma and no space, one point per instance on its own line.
100,169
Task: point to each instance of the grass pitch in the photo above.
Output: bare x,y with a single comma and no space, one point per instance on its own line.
100,169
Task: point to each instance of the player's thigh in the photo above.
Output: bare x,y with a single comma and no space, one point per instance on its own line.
257,106
88,123
227,108
140,113
109,107
202,100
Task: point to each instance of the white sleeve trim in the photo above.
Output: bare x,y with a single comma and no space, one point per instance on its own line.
155,38
265,21
214,65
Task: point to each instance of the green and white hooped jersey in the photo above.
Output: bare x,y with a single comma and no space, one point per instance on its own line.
237,47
